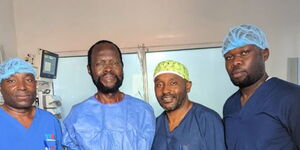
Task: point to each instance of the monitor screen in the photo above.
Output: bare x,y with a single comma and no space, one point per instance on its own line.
49,64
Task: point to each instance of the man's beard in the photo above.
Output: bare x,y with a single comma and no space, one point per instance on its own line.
104,89
179,102
250,79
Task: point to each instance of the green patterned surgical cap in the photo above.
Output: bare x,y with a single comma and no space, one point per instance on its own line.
171,66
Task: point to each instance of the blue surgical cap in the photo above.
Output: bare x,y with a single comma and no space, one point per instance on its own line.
13,66
242,35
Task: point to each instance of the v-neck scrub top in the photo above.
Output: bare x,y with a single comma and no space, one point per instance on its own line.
44,132
126,125
270,120
200,129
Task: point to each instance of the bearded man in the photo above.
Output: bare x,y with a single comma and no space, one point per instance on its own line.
110,119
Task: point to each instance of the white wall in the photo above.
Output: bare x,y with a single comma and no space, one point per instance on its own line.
7,29
71,25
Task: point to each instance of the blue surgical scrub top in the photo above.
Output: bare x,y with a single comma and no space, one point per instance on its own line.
127,125
200,129
44,132
270,120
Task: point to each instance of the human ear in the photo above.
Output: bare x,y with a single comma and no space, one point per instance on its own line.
266,54
188,86
89,69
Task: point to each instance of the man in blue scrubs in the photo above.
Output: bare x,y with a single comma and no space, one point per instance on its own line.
264,114
23,126
184,125
110,119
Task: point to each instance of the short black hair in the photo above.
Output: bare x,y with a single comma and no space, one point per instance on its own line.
103,42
